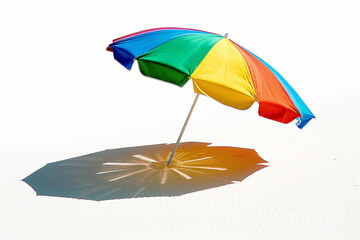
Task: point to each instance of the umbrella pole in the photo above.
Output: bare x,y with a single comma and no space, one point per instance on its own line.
183,129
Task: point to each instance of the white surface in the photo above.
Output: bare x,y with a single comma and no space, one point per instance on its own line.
62,95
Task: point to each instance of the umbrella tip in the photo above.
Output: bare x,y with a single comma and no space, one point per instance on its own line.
226,35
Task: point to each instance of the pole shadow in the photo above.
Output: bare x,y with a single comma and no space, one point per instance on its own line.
141,171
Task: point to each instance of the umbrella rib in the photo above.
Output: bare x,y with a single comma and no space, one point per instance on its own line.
181,173
117,189
112,171
164,177
207,168
144,158
207,174
195,160
130,174
125,164
138,192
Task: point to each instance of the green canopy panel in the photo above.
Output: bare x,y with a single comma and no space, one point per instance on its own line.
175,60
162,72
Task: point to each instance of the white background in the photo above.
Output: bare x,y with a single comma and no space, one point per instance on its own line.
62,95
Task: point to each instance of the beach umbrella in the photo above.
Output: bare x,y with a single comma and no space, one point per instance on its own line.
218,67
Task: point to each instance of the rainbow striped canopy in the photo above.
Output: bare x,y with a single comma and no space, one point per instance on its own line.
219,68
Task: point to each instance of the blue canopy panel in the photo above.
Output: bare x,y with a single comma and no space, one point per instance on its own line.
127,50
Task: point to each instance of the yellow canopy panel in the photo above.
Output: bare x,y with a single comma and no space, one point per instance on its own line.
224,76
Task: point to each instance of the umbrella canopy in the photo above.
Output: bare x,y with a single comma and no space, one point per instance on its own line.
219,68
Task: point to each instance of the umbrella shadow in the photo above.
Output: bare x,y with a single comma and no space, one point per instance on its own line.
141,171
